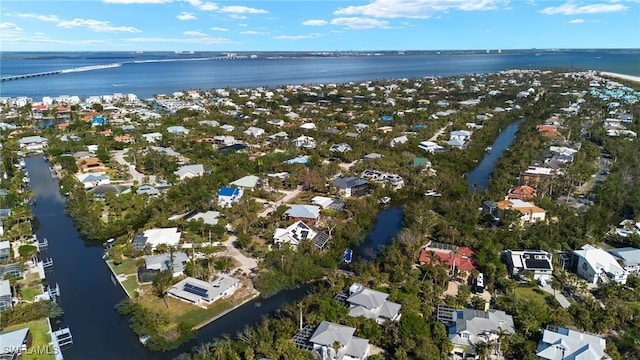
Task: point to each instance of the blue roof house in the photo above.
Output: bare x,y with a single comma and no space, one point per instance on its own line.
386,118
228,195
98,121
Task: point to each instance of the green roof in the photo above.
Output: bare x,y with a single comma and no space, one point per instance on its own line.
420,162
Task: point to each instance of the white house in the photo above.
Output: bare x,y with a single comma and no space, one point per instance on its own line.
560,343
372,304
152,137
33,143
228,195
254,131
189,171
431,147
200,292
155,237
304,141
530,213
163,262
598,266
536,261
399,140
246,182
327,334
628,257
177,130
341,148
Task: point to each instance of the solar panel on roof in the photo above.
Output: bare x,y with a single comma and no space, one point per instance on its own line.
196,290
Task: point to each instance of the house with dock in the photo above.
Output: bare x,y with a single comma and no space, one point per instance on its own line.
199,292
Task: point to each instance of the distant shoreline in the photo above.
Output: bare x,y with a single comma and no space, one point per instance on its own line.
621,76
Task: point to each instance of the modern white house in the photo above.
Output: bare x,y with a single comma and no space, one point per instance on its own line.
372,304
189,171
152,137
296,233
254,131
155,237
327,334
598,266
560,344
431,147
33,143
628,257
538,262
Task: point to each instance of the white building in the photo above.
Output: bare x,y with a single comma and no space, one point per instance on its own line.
372,304
536,261
350,347
559,344
598,266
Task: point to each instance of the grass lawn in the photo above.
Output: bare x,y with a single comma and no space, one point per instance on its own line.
29,293
531,293
131,284
127,267
40,348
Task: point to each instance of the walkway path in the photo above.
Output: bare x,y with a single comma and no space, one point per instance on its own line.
289,195
558,295
440,132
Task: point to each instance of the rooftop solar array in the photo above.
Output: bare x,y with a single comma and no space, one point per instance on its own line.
196,290
441,246
301,339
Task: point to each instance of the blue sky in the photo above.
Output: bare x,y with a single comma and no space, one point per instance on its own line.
310,25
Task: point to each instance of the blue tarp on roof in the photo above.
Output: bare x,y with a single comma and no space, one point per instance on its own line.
227,191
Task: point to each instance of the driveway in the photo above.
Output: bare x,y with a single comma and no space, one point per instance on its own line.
118,155
289,195
440,132
246,263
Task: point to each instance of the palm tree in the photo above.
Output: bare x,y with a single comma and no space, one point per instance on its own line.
454,252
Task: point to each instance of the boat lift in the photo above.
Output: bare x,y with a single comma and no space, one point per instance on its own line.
43,244
54,292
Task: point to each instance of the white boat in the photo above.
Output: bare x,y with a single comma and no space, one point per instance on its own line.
385,200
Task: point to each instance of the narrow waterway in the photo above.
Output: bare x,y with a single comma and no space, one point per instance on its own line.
478,179
88,294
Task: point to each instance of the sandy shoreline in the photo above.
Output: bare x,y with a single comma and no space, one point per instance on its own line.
621,76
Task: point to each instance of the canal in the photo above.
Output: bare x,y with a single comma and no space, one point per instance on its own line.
89,296
478,179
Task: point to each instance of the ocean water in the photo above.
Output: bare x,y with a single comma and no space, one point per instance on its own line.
154,73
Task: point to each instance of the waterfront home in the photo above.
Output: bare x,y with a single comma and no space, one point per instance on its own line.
561,343
351,186
534,174
246,182
15,343
5,249
101,191
469,327
454,257
227,196
200,292
6,296
152,137
329,337
162,262
538,262
91,180
297,232
394,180
33,143
597,266
189,171
529,212
91,165
155,237
628,257
328,203
372,304
307,213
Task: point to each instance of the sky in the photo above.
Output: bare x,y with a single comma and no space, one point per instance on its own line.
316,25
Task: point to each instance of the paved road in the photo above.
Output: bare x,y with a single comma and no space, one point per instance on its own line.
290,195
118,155
440,132
558,295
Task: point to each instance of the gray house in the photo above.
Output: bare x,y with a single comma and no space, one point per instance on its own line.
350,347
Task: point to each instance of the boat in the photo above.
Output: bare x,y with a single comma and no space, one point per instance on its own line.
348,255
488,148
385,200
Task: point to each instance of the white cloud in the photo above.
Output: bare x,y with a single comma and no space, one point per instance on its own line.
196,40
251,32
7,26
359,23
315,22
573,9
216,28
576,21
242,10
237,17
95,25
186,16
418,9
194,33
137,1
45,18
298,37
203,5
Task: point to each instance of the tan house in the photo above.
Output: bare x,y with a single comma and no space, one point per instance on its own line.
530,212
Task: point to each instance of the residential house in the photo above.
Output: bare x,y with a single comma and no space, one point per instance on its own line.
395,180
233,148
534,174
228,195
297,232
597,266
307,213
372,156
530,213
399,140
328,203
148,189
91,165
155,237
177,130
227,127
189,171
210,217
372,304
246,182
458,257
431,147
304,141
468,327
341,148
563,344
522,192
5,250
538,262
200,292
91,180
351,186
328,334
33,143
101,191
152,137
15,343
6,296
628,257
162,262
254,131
